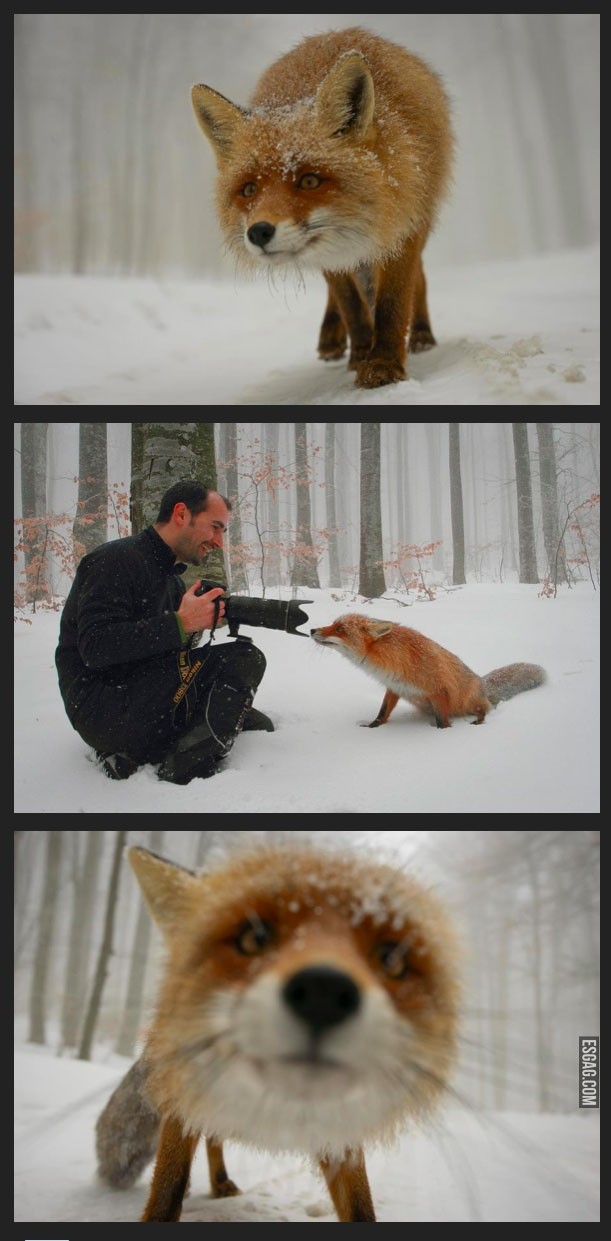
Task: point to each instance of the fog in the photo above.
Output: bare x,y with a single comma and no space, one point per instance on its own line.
113,176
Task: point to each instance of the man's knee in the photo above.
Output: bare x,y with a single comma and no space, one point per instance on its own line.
246,664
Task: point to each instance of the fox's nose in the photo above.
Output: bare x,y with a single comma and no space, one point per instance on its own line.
261,233
322,997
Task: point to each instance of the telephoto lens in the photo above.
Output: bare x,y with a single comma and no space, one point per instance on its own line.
284,614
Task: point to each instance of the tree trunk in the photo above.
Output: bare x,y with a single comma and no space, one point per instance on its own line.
106,949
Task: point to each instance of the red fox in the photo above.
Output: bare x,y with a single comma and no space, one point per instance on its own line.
309,1004
340,164
418,669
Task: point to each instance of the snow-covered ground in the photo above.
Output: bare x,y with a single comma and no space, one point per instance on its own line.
467,1167
538,753
518,332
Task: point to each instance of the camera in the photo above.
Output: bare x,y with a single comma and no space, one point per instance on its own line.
283,614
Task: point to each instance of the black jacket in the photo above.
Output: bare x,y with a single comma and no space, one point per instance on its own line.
120,612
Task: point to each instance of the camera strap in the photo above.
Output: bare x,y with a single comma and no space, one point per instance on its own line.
217,608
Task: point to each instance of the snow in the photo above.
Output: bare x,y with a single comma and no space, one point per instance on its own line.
466,1167
538,753
518,332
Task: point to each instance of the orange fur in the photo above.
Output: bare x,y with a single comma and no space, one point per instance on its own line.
340,165
418,669
309,1003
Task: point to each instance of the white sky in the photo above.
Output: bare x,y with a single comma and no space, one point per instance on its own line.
509,1168
537,753
510,332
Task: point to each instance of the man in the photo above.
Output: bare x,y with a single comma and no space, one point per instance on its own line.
134,686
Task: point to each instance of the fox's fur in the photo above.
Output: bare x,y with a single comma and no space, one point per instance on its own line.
414,667
309,1004
339,164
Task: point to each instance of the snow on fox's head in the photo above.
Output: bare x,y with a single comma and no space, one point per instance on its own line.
300,184
309,1000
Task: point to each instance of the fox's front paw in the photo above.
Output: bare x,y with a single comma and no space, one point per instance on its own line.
375,372
421,338
226,1189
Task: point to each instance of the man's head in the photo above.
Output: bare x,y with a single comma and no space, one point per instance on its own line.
192,520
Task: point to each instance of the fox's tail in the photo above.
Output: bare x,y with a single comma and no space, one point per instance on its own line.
513,679
127,1130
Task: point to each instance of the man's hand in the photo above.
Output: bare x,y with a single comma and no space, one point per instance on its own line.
198,611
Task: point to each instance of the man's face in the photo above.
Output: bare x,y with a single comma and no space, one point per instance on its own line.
198,535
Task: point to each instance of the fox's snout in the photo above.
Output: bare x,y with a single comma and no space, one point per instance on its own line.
322,635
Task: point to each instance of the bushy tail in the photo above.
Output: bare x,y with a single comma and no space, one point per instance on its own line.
127,1130
513,679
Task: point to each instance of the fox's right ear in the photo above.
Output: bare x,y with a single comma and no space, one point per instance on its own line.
218,118
168,890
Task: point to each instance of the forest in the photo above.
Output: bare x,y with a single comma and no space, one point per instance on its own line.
364,508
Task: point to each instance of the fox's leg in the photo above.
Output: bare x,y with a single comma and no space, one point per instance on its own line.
389,703
171,1176
397,281
440,706
349,1188
355,312
421,336
220,1184
480,709
333,335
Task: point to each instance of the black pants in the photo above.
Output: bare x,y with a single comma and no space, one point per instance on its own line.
165,698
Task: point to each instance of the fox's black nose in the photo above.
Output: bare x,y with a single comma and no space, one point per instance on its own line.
261,233
322,997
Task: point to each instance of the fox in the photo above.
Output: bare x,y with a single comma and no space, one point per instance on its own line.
413,667
310,1003
340,164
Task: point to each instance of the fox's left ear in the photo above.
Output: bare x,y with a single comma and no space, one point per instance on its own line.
168,890
345,99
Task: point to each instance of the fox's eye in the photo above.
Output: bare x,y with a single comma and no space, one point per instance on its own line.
339,628
254,937
249,189
309,181
393,959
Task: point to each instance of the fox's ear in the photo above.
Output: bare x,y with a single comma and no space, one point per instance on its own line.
218,118
379,628
345,99
167,889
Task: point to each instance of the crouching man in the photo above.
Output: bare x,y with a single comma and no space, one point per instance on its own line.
134,685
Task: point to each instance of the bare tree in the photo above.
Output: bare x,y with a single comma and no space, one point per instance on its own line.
273,563
90,524
106,949
371,571
79,947
228,452
34,509
137,971
335,576
42,959
458,528
554,545
305,572
526,525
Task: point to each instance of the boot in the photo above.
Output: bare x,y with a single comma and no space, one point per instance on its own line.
197,752
117,766
255,720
